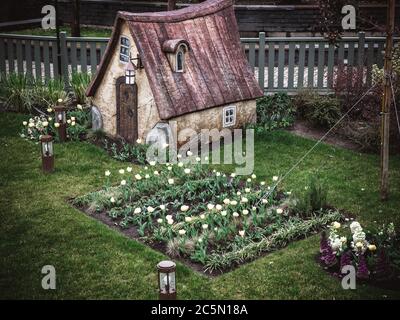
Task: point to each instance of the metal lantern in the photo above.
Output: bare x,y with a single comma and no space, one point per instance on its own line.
130,73
166,280
61,119
46,143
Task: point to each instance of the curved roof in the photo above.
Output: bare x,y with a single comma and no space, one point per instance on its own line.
216,69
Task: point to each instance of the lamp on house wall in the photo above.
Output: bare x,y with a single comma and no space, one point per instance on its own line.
46,143
166,280
130,73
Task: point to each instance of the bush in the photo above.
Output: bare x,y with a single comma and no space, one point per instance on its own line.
45,95
275,111
314,198
79,83
15,92
320,111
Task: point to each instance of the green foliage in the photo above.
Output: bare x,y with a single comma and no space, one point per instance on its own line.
124,151
45,95
79,83
377,73
15,91
319,110
314,198
274,112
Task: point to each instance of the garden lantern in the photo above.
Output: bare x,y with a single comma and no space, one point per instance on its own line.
130,74
166,280
46,142
61,119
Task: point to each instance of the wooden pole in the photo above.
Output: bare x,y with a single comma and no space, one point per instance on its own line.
386,101
171,5
76,28
58,40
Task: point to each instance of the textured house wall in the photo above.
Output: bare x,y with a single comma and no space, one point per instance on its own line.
105,96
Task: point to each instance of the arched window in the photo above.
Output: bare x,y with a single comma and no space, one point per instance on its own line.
180,56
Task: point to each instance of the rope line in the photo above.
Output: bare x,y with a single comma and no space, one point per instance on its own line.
315,145
394,103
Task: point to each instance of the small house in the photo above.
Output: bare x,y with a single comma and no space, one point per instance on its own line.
185,65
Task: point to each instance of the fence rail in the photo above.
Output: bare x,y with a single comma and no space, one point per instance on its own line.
280,64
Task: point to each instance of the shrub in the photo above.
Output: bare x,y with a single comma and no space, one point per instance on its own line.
320,111
314,198
15,92
79,83
275,111
45,95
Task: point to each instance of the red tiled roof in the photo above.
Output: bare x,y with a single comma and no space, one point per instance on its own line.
216,69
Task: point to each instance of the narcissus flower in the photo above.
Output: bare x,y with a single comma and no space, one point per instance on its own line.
49,118
162,207
248,180
227,201
238,193
184,208
45,123
241,233
137,210
129,169
150,209
107,173
218,173
138,177
73,119
181,232
156,173
56,124
121,171
180,164
123,182
244,200
168,217
147,176
247,190
169,168
218,207
171,181
233,203
223,213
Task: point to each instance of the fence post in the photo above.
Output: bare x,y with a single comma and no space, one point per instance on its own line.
64,56
261,60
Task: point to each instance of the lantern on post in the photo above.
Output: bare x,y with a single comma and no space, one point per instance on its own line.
166,280
130,73
61,119
46,143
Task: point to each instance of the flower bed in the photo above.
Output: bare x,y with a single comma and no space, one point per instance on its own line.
375,255
207,219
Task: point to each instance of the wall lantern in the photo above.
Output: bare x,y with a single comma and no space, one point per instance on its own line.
61,119
166,280
46,143
130,73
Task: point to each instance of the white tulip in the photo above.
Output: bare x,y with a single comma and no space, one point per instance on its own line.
150,209
129,169
121,171
171,181
137,210
184,208
123,182
205,226
107,173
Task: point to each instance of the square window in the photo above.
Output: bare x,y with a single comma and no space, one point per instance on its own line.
124,49
229,116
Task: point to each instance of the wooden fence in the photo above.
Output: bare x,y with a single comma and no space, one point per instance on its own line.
280,64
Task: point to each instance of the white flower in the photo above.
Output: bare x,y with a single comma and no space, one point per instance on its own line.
216,229
138,177
179,156
169,168
235,214
180,164
198,159
218,207
223,213
279,211
181,232
200,240
227,201
355,227
170,221
171,181
162,207
165,145
152,163
238,193
254,208
147,176
247,190
25,123
343,239
241,233
49,118
233,175
129,169
210,206
121,171
289,193
359,245
69,121
265,201
233,202
160,220
336,244
137,210
73,123
73,119
262,183
156,173
31,125
187,170
168,217
184,208
218,173
253,176
336,225
123,182
112,200
107,173
205,226
49,110
202,216
189,153
244,200
205,158
275,178
188,219
150,209
248,180
245,212
60,100
56,125
139,141
79,106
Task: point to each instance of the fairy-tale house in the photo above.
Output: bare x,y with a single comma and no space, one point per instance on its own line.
185,65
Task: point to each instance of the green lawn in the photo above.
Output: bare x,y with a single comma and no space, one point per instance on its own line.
38,227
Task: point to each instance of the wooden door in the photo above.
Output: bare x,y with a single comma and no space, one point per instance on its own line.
127,119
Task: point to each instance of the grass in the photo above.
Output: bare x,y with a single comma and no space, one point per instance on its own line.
85,32
38,227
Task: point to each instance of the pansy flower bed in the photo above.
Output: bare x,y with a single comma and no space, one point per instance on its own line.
210,220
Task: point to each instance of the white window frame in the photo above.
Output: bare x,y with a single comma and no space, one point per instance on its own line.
126,47
230,119
182,53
